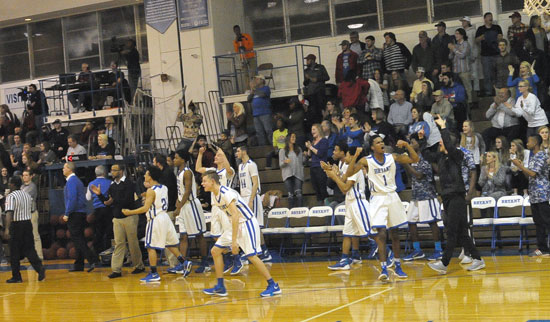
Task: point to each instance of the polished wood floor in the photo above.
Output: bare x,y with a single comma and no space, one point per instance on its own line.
511,288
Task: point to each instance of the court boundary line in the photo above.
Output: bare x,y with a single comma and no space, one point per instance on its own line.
349,304
8,294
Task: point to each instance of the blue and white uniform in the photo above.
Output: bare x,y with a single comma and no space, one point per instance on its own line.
248,237
219,222
191,219
386,208
424,206
357,221
160,231
247,171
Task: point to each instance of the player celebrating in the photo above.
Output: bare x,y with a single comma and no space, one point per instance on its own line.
386,209
244,233
190,219
357,222
160,232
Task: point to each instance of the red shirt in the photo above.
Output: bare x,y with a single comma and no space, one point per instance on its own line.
354,94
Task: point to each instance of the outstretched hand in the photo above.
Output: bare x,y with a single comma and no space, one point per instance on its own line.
96,189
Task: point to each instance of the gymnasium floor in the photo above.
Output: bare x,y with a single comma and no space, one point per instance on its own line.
511,288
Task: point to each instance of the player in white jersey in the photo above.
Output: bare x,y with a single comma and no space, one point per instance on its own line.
357,222
190,219
249,182
160,233
386,209
244,233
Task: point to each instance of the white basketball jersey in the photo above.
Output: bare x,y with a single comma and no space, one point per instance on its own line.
160,204
343,167
181,185
357,191
381,175
225,180
246,172
224,199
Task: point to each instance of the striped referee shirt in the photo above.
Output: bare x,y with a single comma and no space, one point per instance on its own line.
20,203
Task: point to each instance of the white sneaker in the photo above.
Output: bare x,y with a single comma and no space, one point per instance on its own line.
466,260
438,267
461,256
477,265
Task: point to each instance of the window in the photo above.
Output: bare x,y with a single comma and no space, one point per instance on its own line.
144,52
400,13
445,9
511,5
82,36
355,12
14,54
47,45
308,19
120,24
266,21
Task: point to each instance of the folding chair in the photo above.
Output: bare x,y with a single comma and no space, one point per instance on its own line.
277,218
338,217
505,202
483,203
269,76
317,220
524,222
297,223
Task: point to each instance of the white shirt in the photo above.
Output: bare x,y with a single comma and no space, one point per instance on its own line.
357,191
225,197
531,110
160,204
247,171
78,150
381,175
181,185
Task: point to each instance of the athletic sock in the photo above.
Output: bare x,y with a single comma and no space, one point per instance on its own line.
264,247
270,281
383,265
397,261
354,253
438,246
181,259
220,282
345,256
153,269
416,246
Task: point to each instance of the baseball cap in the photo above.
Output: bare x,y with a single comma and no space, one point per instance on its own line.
344,42
465,18
311,56
441,24
421,69
437,93
57,121
260,76
515,15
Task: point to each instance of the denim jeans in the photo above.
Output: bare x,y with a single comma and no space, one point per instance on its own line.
489,73
264,129
294,187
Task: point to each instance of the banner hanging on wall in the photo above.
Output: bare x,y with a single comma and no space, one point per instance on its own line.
159,14
193,14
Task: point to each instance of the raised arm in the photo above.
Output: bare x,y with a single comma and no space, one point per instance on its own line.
149,199
343,186
412,157
198,166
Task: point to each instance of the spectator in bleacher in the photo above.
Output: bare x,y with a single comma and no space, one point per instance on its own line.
28,163
208,155
47,156
114,88
17,147
353,91
88,134
346,61
353,133
58,139
261,110
317,151
443,108
460,55
236,123
330,110
473,142
315,76
516,32
530,108
418,124
295,121
502,147
191,122
504,117
492,178
488,36
28,127
5,159
131,55
396,55
74,148
225,144
504,59
111,129
370,58
398,83
526,72
423,54
6,130
474,62
30,187
537,34
440,43
103,224
539,191
384,86
292,170
543,132
27,148
331,134
104,149
356,45
424,100
382,128
12,119
417,85
444,68
456,95
519,182
432,137
338,158
38,104
279,139
400,114
82,96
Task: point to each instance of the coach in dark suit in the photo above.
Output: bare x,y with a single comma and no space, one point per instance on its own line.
75,216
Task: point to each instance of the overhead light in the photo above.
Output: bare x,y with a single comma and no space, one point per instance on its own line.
310,1
355,26
28,19
271,4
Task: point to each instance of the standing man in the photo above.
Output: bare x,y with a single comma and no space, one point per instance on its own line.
417,85
400,115
449,161
315,76
261,110
19,231
346,61
103,225
191,122
488,36
356,45
516,32
75,216
539,191
131,55
370,58
396,55
121,195
423,55
474,47
456,95
244,45
30,188
39,106
440,44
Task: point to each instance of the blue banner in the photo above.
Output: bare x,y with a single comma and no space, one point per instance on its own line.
159,14
193,14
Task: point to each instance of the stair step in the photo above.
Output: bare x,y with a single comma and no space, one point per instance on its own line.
275,176
307,188
256,152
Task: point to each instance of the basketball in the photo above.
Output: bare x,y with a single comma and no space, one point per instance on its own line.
72,253
60,233
88,232
54,220
90,218
48,253
68,234
55,246
70,245
62,253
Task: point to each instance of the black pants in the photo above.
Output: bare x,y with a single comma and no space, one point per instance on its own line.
457,227
319,182
460,112
103,228
22,245
76,224
511,133
541,217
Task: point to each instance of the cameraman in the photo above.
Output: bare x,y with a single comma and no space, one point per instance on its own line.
38,105
131,55
244,45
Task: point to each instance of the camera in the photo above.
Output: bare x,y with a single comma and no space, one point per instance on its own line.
24,93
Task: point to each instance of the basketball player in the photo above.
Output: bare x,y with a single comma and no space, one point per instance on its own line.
160,233
249,182
190,219
386,210
424,206
357,223
244,233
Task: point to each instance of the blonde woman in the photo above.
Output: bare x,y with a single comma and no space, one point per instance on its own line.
472,141
526,72
530,108
544,132
103,150
519,181
493,177
236,123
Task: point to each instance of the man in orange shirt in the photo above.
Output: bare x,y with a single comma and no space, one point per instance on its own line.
244,45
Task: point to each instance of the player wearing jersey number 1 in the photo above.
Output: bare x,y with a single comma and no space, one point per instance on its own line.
386,210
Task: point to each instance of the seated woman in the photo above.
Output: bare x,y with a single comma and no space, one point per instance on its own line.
424,100
104,149
492,178
47,156
353,134
418,123
502,147
519,183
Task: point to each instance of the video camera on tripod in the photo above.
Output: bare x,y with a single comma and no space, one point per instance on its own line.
24,93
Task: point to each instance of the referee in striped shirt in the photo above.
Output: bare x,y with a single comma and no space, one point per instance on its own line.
19,231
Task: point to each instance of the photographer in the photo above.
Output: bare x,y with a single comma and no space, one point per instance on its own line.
38,104
244,45
131,55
